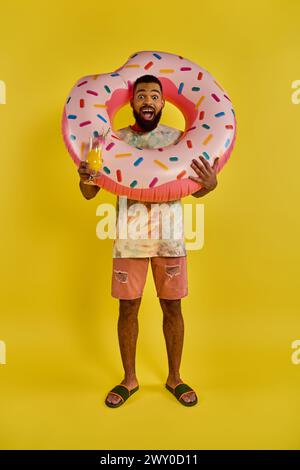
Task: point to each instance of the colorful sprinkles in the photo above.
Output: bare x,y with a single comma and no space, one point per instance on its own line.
181,175
199,101
180,88
147,66
138,161
215,97
119,155
85,123
186,81
119,175
92,92
161,164
153,182
207,139
109,146
101,117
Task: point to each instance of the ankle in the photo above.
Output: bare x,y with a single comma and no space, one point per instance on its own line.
174,378
130,379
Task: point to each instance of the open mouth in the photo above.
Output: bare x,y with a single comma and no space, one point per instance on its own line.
147,113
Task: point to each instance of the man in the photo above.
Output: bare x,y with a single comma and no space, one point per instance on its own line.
167,256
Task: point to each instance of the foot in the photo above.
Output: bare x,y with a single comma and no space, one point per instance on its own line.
130,384
187,397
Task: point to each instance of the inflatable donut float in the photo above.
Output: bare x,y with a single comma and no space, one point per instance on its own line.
150,174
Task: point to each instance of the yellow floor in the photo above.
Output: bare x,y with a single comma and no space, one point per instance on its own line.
52,393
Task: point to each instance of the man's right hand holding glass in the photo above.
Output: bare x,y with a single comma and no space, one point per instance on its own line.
86,174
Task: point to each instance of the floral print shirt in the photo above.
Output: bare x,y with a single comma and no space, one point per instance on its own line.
147,229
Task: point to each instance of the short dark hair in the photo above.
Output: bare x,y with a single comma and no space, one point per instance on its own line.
147,79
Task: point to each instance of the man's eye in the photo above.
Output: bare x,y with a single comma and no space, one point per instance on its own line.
141,96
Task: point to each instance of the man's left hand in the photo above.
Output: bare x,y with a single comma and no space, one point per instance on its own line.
207,175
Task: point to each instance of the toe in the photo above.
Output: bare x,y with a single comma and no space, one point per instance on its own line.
113,399
189,397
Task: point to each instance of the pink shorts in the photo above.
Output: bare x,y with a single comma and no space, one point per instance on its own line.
169,274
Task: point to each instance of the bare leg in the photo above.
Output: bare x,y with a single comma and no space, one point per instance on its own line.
173,327
127,333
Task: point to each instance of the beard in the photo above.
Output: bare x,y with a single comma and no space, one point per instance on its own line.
147,126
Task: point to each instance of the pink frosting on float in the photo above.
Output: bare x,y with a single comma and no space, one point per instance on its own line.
210,126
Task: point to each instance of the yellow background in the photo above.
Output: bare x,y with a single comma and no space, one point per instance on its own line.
58,319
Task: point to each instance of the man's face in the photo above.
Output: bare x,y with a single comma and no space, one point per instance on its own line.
147,104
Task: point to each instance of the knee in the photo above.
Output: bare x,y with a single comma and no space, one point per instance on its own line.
170,308
129,307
